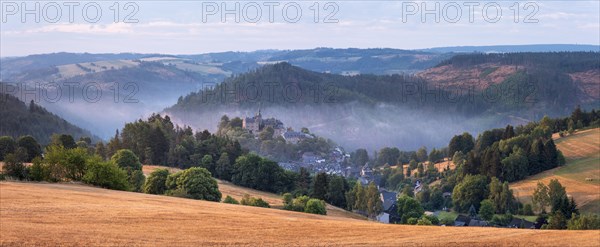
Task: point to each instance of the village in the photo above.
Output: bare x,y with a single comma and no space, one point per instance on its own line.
337,162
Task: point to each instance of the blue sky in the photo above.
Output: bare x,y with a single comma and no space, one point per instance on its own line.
177,27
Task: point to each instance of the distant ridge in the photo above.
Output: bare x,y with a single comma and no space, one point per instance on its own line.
515,48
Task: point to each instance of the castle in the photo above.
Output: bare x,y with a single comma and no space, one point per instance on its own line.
256,124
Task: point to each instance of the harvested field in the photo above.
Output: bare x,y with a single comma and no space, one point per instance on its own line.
39,214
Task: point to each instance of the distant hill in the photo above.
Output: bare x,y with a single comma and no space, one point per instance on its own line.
516,48
468,92
19,119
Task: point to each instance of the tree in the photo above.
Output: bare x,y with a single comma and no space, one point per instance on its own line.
360,202
315,206
207,163
64,140
422,154
461,143
303,182
255,172
7,146
514,167
471,191
336,191
557,221
156,182
100,150
14,168
557,195
486,210
106,175
127,160
320,189
31,146
374,204
195,183
540,198
266,134
224,167
75,164
137,181
360,157
408,208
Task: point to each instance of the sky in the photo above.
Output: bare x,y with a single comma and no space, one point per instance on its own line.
193,27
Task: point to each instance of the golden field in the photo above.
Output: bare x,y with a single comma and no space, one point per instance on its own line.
41,214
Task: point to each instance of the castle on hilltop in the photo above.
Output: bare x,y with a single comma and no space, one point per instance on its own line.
256,124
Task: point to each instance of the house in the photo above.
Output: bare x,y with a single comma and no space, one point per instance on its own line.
294,136
447,194
352,172
521,223
390,210
462,220
478,222
363,181
309,158
366,171
418,187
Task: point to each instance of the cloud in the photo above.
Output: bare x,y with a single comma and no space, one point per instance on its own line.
74,28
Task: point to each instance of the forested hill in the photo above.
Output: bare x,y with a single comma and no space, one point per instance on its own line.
19,119
466,93
543,83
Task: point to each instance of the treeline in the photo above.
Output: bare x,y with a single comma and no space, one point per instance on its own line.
19,119
564,61
511,154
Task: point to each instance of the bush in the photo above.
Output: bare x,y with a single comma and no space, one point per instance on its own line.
412,221
434,220
424,222
14,168
156,182
299,203
447,221
106,175
194,183
253,201
584,222
315,206
38,171
288,200
137,180
230,200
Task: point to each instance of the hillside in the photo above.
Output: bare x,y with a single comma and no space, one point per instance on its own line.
276,201
19,119
581,174
68,214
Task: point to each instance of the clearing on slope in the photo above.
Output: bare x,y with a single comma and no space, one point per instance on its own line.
581,174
